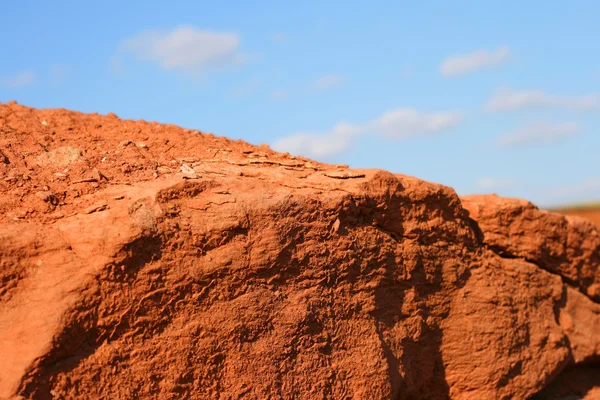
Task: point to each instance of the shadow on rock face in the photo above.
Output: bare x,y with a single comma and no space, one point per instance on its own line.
576,382
83,335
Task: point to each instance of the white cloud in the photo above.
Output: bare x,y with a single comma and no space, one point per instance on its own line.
510,100
185,47
401,123
464,63
279,38
327,82
319,145
495,183
540,133
21,79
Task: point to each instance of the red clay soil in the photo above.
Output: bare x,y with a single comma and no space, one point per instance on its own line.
593,214
140,260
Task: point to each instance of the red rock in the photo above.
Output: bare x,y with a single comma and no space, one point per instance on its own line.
261,281
568,246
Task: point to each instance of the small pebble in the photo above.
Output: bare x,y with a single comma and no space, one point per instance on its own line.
186,169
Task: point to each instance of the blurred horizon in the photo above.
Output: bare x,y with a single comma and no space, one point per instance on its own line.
485,98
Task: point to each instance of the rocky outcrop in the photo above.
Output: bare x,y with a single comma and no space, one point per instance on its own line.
167,263
568,246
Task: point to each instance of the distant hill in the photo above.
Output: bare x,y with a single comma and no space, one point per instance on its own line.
589,210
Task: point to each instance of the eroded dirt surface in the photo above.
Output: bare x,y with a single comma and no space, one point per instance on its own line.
593,214
140,260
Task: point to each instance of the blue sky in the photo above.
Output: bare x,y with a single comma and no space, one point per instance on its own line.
483,96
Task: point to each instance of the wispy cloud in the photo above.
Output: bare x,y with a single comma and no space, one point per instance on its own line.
318,145
116,65
581,191
58,74
540,133
248,88
407,72
401,123
279,94
327,82
279,38
479,59
322,83
185,48
496,183
21,79
509,100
